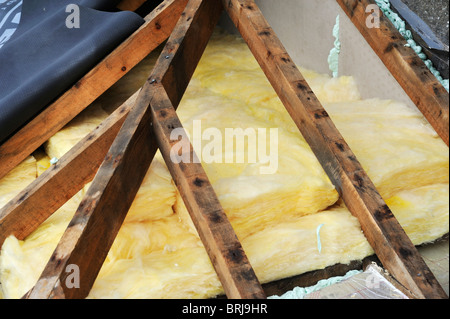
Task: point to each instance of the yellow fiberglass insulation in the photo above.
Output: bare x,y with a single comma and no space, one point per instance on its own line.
277,215
16,180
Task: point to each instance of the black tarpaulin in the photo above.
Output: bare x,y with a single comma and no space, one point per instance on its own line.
51,49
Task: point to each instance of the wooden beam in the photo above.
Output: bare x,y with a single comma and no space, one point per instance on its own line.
405,65
33,205
130,5
382,230
224,249
92,230
101,213
182,54
157,28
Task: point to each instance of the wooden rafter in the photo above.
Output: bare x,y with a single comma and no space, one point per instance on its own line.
130,5
384,233
430,97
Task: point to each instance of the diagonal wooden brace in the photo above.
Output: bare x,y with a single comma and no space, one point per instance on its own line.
390,242
229,260
405,65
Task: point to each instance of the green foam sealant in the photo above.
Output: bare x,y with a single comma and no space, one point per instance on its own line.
398,22
333,57
319,242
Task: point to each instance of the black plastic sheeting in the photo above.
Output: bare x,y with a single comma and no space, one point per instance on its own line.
50,51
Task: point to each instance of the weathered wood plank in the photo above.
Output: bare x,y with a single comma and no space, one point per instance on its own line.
384,233
130,5
157,28
97,221
404,64
224,249
32,206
